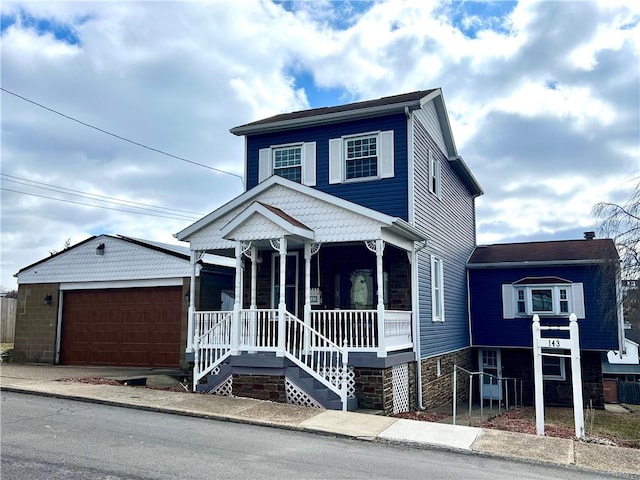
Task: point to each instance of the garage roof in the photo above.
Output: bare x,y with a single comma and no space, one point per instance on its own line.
113,258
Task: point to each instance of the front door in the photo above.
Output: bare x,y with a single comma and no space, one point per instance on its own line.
291,282
491,373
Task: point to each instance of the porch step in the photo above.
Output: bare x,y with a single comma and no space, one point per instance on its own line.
318,391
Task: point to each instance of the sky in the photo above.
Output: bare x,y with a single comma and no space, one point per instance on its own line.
116,115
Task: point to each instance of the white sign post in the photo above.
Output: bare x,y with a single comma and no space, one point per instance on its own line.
573,344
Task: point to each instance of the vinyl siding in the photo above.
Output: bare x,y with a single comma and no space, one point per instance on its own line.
388,195
598,331
428,117
450,225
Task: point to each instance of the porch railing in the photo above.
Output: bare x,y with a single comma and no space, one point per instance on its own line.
258,330
327,362
212,342
397,330
357,330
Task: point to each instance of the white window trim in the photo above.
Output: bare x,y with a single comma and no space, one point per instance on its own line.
555,298
575,298
345,141
437,292
288,146
385,157
563,372
307,162
435,173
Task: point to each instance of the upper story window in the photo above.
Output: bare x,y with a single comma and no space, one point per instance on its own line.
543,296
437,289
287,162
435,175
368,156
361,157
297,162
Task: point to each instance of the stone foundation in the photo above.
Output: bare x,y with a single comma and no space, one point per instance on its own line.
519,364
437,391
36,323
374,388
260,387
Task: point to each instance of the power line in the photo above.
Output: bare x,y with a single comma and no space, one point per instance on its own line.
92,196
173,217
97,199
118,136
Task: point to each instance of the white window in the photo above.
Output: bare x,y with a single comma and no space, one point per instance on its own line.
435,174
297,162
528,297
367,156
287,162
437,289
361,157
553,368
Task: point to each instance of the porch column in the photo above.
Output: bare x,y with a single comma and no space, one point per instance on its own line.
254,303
310,249
237,304
192,302
307,294
282,302
382,350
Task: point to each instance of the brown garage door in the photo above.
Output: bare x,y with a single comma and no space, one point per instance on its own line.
124,327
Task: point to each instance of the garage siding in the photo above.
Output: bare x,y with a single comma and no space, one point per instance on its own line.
122,327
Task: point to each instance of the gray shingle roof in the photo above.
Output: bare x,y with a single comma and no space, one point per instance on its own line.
552,251
400,101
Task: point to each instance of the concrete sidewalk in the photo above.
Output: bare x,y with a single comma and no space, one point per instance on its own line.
50,380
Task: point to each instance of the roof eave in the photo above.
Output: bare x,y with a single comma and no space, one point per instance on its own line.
326,118
539,263
408,231
461,168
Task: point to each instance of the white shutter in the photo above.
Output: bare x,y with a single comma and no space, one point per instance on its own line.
385,154
335,160
507,301
577,297
309,164
265,168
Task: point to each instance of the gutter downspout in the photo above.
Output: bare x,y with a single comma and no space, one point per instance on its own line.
413,258
416,325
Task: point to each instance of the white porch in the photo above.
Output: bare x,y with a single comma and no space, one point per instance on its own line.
274,232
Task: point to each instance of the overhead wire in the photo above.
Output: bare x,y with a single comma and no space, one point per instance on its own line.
91,196
173,217
142,145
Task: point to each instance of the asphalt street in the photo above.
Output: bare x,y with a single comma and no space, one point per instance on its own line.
52,438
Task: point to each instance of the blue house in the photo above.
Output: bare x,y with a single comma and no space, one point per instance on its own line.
350,244
509,283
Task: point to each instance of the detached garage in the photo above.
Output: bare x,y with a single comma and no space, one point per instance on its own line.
112,300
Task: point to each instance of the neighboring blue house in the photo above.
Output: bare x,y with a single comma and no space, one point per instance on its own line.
350,242
509,283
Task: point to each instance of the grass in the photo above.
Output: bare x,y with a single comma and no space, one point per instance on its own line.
622,428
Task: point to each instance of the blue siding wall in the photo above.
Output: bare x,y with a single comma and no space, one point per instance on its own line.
598,331
450,225
388,195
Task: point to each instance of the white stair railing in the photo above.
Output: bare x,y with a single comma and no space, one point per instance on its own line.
324,357
212,342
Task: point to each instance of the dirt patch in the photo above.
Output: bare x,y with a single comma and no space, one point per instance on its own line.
422,416
605,428
92,381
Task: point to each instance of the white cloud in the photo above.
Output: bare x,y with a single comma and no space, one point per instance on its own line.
542,98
